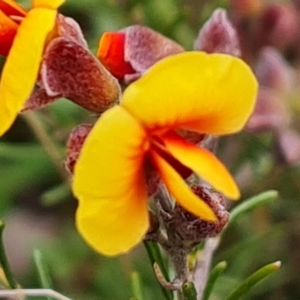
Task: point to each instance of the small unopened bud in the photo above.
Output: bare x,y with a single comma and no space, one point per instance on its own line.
75,143
273,71
289,146
218,35
278,26
270,112
70,70
193,229
134,49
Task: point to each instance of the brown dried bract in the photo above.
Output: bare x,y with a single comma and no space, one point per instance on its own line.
144,47
70,29
75,143
71,71
38,99
194,229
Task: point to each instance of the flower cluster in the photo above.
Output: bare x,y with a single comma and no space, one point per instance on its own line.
147,131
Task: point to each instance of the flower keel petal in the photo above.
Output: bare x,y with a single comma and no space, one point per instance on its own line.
180,190
203,163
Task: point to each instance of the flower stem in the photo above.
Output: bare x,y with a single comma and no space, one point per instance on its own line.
42,270
50,147
155,256
4,261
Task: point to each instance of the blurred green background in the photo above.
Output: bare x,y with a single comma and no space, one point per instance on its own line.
38,208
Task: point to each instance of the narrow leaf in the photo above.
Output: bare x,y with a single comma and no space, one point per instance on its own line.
253,279
213,276
252,203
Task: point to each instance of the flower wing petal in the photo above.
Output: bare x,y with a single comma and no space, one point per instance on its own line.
109,183
22,65
180,190
212,94
203,163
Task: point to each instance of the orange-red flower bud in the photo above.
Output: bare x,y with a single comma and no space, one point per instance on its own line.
134,49
10,15
111,54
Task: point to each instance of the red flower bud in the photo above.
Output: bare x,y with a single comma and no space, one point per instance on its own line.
134,49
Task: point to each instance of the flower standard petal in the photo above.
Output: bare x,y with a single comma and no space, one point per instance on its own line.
22,65
203,163
212,94
109,183
180,190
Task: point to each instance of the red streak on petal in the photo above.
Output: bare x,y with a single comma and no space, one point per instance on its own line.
11,8
7,33
111,54
182,170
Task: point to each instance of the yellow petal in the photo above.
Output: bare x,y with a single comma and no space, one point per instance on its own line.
203,163
22,65
50,4
109,183
208,93
180,190
113,226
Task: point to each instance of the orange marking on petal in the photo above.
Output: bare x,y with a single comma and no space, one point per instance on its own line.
203,163
12,8
111,54
212,94
180,190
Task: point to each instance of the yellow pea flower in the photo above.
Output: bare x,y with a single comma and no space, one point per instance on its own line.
24,42
212,94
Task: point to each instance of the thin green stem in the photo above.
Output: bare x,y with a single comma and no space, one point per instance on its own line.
155,256
13,284
42,270
252,203
136,286
50,147
253,279
213,276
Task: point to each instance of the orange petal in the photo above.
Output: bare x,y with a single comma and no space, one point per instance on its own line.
7,33
109,183
203,163
12,8
180,190
111,54
212,94
50,4
23,62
